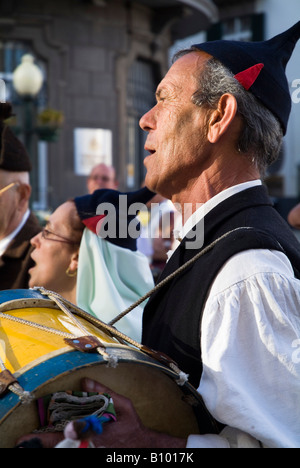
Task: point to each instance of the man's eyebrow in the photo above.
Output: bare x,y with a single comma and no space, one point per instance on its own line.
167,91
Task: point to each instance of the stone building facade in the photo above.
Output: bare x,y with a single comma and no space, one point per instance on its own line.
101,60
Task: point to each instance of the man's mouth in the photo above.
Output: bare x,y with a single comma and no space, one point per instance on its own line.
150,151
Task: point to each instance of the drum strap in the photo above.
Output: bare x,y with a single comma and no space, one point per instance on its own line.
60,301
76,322
80,342
175,273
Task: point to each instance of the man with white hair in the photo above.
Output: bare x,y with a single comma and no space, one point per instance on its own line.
17,224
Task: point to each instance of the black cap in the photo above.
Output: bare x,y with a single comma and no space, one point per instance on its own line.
13,155
88,211
260,68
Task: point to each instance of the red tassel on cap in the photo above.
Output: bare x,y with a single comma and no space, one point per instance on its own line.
91,223
249,76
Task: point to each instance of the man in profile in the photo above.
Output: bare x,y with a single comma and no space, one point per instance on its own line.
17,224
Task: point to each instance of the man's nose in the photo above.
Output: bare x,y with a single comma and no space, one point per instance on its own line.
147,121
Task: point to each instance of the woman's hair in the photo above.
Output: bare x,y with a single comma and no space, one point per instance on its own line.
261,135
75,224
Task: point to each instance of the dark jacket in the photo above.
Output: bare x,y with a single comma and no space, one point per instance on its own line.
172,316
16,260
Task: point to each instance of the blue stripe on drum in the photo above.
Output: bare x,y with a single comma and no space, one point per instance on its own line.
13,294
67,362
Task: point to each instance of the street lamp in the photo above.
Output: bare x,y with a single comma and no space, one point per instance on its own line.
28,81
27,77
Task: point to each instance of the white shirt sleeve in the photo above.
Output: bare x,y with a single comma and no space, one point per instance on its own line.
250,340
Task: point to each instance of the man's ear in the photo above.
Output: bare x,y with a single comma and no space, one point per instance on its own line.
24,191
222,117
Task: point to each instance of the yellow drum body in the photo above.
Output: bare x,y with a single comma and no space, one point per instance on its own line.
21,344
44,364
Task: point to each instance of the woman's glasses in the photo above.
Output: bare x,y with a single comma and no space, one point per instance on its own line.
51,236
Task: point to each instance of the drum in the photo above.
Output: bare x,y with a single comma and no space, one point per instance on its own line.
33,330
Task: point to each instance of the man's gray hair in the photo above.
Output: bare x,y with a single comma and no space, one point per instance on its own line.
261,136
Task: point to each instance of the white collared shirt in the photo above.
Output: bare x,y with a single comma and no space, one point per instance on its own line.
205,208
250,343
4,243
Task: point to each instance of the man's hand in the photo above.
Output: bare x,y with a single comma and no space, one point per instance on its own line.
127,432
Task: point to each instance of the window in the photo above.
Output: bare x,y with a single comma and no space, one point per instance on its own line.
141,86
11,53
238,29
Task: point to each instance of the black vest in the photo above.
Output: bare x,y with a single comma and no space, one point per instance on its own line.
172,317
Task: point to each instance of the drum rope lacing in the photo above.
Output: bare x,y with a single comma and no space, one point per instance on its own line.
25,396
56,298
63,303
112,360
36,325
15,387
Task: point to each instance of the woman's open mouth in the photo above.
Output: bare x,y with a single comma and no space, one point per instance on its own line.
33,266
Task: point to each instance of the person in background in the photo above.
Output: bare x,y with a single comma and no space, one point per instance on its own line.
56,251
294,216
102,276
102,176
157,234
17,223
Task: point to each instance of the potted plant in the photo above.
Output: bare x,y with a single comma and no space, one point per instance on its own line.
49,122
